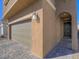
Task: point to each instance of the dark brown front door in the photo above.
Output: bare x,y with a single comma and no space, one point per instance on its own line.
67,29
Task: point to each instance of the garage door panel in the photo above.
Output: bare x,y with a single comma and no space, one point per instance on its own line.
22,33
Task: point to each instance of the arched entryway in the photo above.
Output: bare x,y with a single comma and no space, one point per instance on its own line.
67,24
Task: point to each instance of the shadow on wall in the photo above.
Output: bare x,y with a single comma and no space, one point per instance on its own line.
78,34
63,48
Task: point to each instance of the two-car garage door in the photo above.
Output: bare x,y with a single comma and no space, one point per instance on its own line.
22,33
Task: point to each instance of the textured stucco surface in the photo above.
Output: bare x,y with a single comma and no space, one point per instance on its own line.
37,26
47,30
70,7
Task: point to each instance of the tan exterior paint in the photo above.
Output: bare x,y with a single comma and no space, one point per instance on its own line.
9,5
11,8
47,30
69,7
37,35
37,26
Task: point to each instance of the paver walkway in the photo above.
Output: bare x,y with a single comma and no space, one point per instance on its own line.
62,49
13,50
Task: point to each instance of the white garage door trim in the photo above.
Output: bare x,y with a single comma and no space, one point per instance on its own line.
20,19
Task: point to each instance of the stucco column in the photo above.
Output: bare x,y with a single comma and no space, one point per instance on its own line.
9,32
74,35
37,35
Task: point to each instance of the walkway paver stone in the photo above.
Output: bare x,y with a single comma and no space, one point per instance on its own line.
10,49
13,50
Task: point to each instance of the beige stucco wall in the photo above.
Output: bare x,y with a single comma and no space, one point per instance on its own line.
44,36
70,7
47,31
37,26
50,26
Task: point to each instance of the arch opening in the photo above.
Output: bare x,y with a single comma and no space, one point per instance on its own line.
66,18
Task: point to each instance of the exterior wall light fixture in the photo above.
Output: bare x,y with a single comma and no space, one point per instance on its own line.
34,16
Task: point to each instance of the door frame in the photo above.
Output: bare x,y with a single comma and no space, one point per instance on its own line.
70,29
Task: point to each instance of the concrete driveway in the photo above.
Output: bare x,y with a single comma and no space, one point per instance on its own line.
12,50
